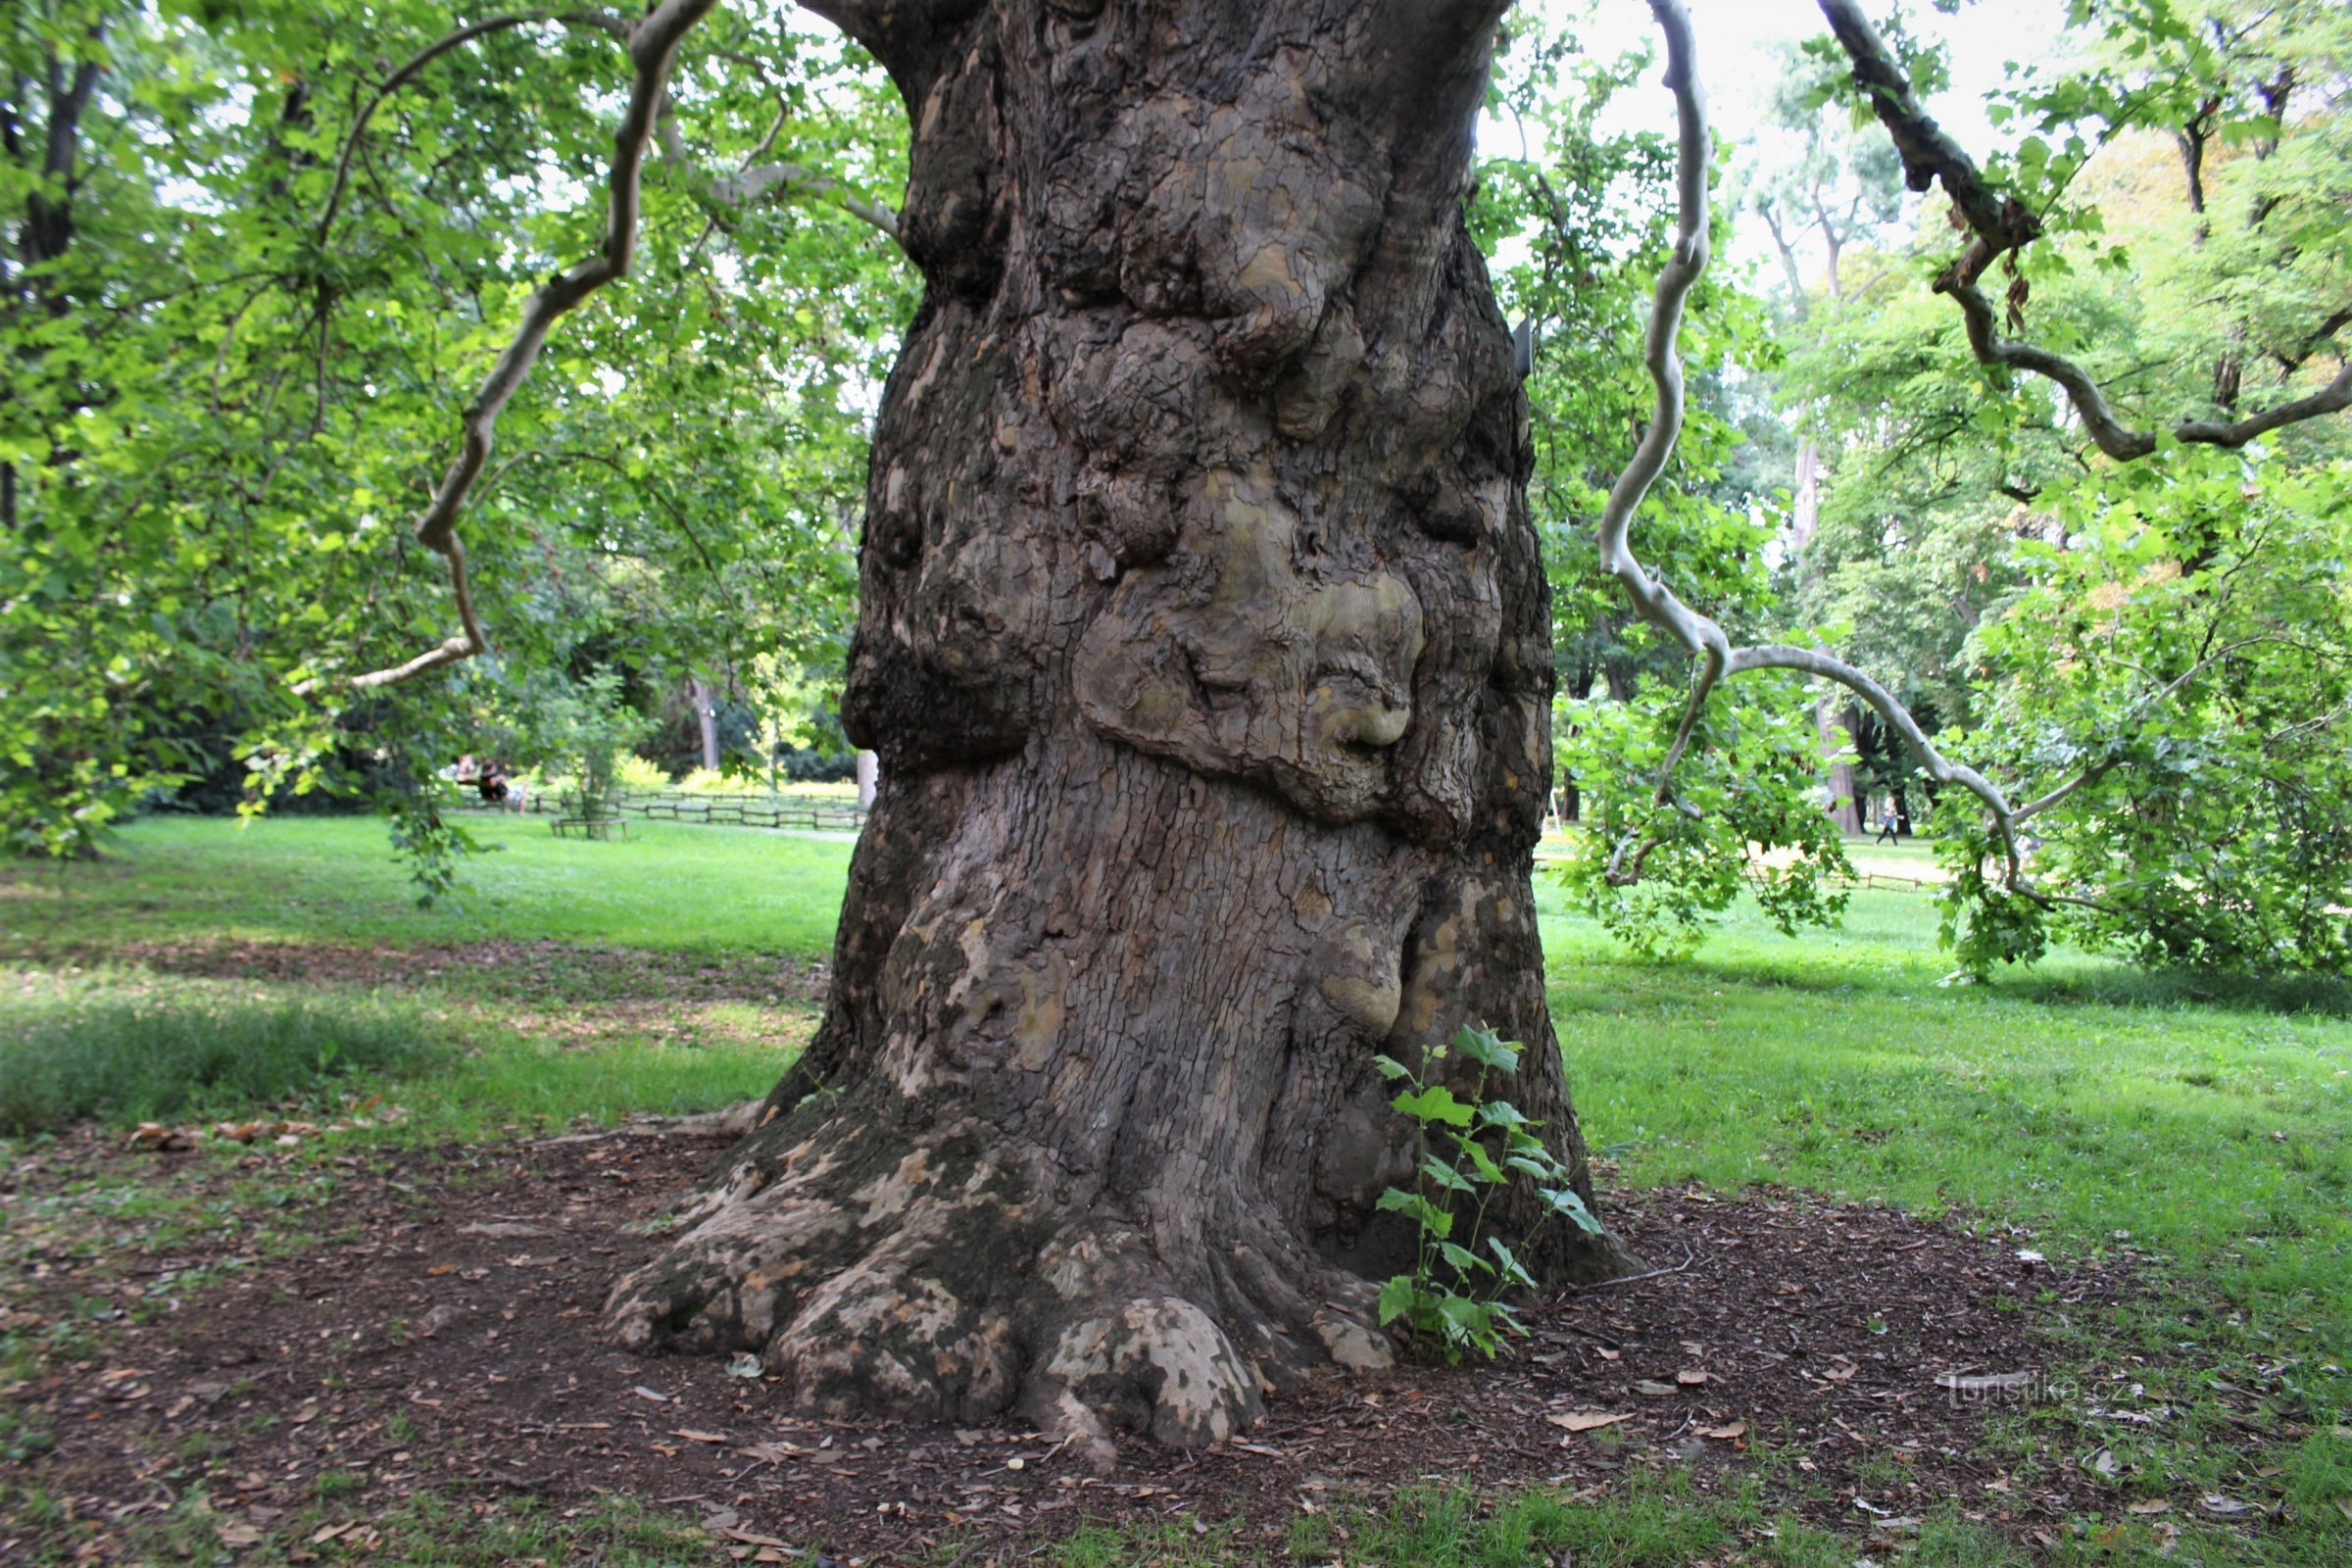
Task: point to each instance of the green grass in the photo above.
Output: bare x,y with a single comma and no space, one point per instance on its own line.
333,879
427,1530
2081,1102
84,1054
2200,1125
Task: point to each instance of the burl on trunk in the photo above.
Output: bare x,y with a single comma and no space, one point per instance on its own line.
1205,639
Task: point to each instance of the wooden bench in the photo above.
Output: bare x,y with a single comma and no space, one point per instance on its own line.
589,827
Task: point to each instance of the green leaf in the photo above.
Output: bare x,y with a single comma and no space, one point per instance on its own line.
1513,1271
1434,1104
1564,1201
1442,1175
1463,1261
1488,1048
1482,1163
1426,1214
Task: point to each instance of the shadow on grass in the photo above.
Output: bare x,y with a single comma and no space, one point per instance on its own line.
2321,996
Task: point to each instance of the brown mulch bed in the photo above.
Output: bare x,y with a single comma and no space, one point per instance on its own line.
445,1340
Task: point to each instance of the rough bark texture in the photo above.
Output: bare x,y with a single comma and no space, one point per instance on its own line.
1204,636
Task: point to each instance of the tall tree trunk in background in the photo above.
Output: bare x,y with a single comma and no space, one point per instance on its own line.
1205,635
1836,723
705,716
870,778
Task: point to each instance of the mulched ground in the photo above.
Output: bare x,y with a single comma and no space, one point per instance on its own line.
444,1338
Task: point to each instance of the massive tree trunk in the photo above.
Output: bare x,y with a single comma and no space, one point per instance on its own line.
1206,638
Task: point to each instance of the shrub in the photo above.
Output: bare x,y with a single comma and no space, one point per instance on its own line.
634,772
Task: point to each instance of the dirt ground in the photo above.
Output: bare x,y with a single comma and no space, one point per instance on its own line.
442,1336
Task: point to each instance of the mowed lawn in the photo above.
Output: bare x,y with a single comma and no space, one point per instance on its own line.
2194,1127
334,879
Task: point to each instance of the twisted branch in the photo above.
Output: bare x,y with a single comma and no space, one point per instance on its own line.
1699,635
653,46
2001,224
1997,225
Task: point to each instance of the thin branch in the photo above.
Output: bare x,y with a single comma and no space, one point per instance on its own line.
653,46
599,21
1999,225
777,183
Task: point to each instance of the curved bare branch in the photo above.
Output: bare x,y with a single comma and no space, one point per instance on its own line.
652,45
1656,602
1698,634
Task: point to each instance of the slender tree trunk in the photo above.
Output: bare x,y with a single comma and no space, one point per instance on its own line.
1836,723
870,778
1805,506
1204,636
705,719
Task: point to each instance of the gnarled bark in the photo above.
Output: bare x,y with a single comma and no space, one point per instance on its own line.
1204,636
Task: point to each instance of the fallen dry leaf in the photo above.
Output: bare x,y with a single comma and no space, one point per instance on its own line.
1690,1376
1726,1432
750,1538
691,1436
1654,1389
1585,1420
2148,1505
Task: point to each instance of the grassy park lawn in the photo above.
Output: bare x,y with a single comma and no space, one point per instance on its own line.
2191,1133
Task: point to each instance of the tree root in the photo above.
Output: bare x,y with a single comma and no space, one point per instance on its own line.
940,1282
